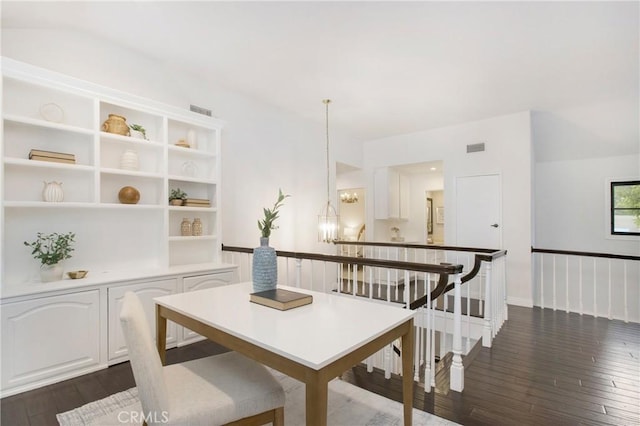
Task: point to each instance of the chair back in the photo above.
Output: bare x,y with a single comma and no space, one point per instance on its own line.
145,361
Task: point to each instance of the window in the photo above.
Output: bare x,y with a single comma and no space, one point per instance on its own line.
625,208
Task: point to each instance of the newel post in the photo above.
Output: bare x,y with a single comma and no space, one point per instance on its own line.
489,298
457,369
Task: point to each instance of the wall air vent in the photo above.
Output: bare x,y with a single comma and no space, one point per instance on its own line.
200,110
475,147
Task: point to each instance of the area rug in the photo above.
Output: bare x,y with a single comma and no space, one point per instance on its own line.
348,405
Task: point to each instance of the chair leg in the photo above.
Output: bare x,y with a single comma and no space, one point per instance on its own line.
278,416
275,416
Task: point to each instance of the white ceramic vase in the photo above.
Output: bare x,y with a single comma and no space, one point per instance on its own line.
129,160
50,273
52,192
191,138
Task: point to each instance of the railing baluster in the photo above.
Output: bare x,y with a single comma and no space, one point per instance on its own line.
580,284
566,282
595,287
554,282
542,280
626,307
609,290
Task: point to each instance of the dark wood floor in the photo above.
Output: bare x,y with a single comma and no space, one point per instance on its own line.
545,368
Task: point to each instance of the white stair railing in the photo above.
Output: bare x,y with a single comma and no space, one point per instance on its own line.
598,284
364,277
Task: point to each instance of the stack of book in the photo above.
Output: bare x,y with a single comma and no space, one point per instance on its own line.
56,157
196,202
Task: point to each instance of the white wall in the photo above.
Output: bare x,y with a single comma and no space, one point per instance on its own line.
263,148
508,152
572,208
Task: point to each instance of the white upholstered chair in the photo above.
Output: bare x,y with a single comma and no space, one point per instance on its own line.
221,389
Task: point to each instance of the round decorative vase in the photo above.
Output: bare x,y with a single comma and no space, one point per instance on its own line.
129,160
52,192
185,227
265,267
129,195
116,124
196,227
50,273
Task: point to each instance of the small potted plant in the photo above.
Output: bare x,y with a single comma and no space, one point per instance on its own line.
177,197
137,131
50,250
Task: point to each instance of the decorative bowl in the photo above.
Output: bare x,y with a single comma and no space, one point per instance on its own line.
74,275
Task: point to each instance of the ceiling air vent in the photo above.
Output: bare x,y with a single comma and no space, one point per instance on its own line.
201,110
475,147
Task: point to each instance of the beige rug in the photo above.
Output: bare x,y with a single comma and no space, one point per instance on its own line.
349,405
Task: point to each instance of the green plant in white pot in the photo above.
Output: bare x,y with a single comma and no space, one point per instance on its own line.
50,250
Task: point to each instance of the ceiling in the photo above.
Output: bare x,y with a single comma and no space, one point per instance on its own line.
389,67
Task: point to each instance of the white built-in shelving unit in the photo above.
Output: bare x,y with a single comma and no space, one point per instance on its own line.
56,330
109,235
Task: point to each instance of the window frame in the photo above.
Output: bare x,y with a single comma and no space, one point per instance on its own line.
613,208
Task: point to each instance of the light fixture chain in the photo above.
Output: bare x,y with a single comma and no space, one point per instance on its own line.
326,103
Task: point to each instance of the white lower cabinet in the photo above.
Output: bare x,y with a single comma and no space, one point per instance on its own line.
50,339
146,291
200,282
73,331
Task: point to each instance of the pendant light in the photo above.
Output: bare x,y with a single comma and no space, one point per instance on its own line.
328,220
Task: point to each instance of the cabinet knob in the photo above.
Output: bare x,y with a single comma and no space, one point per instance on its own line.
495,225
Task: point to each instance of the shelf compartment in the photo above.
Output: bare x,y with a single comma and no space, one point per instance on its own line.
20,138
195,190
106,239
153,124
185,165
208,220
25,99
205,138
39,122
25,182
150,188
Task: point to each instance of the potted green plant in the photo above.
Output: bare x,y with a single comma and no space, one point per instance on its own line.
177,197
265,265
137,131
50,250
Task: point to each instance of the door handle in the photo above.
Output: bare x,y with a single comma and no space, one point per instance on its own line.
495,225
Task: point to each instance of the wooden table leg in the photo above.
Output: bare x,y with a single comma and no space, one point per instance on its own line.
407,374
316,402
161,336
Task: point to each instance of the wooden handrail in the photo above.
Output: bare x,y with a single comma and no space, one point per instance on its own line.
416,246
447,269
586,254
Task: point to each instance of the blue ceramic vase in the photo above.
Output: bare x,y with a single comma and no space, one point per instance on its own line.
265,267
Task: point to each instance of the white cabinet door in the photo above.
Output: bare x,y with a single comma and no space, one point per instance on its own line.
404,193
50,338
391,197
200,282
146,291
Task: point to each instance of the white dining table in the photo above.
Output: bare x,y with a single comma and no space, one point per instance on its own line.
313,343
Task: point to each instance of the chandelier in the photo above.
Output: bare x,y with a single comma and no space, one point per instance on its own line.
328,220
349,198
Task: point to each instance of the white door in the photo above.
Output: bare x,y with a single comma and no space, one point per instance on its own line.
479,211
